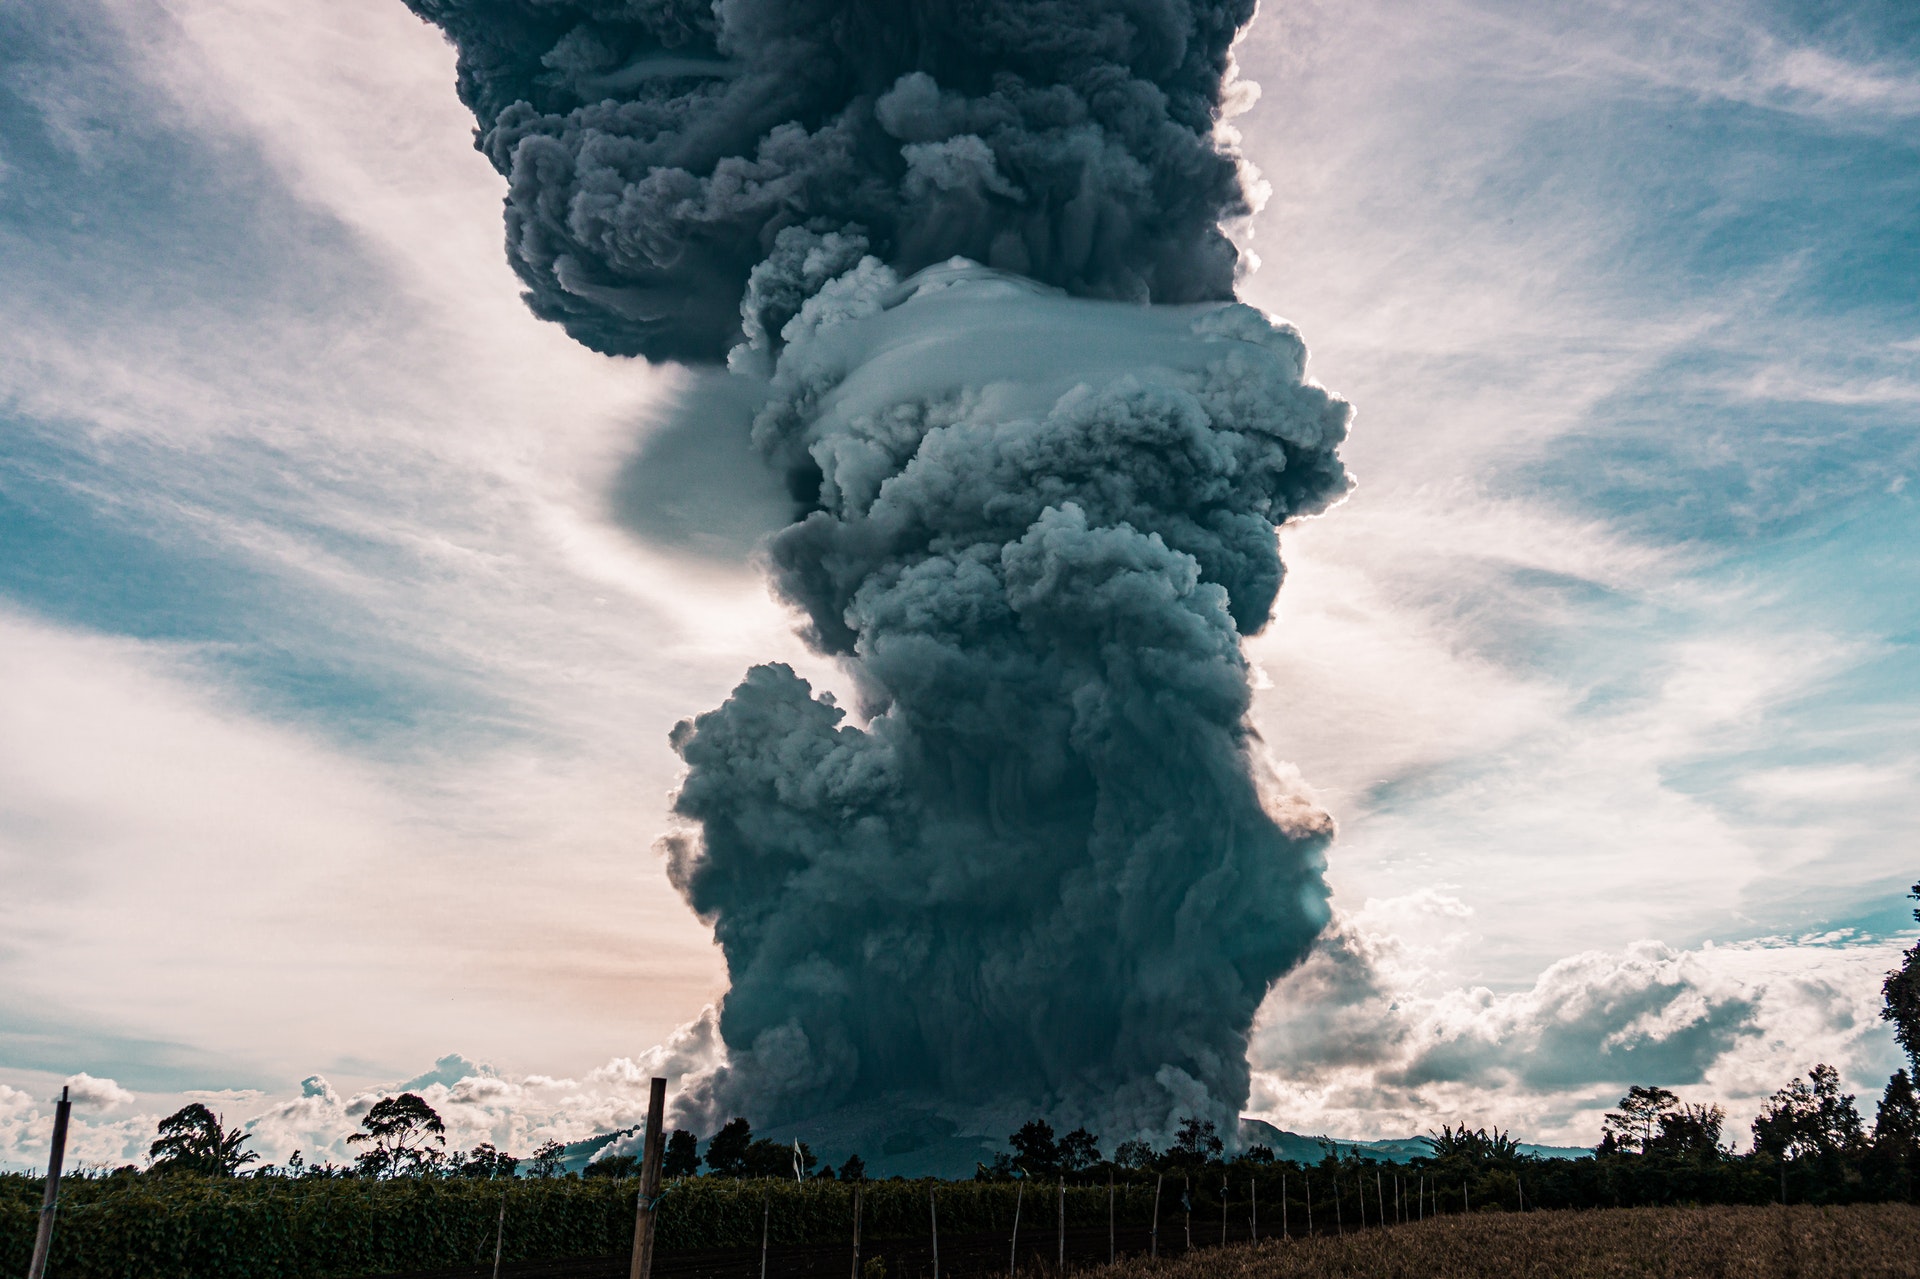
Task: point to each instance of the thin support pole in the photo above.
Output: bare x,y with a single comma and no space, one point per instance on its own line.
1465,1204
1339,1226
856,1230
933,1216
1521,1186
1253,1210
1063,1225
1013,1248
1223,1213
1158,1181
1109,1219
1379,1197
50,1199
500,1234
644,1210
1309,1181
1186,1204
766,1216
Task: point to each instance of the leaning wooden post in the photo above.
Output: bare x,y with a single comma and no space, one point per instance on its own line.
766,1215
856,1230
499,1234
1379,1197
1309,1183
1158,1181
644,1210
43,1237
1109,1219
933,1215
1013,1249
1223,1212
1063,1226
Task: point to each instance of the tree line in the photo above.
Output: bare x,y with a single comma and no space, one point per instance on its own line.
1809,1142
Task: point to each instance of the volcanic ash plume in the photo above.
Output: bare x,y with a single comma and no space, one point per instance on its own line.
970,256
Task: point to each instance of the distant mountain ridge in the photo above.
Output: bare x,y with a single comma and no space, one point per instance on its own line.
1399,1150
911,1142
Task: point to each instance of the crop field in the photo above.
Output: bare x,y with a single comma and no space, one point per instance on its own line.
1868,1240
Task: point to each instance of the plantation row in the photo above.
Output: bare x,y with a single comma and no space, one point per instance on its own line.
257,1228
129,1227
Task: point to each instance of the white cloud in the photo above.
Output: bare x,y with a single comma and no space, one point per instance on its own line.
1366,1039
89,1093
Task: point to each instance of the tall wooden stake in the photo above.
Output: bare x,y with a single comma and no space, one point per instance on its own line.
1253,1210
1109,1218
1063,1225
43,1237
1186,1203
856,1230
1223,1214
1158,1181
645,1209
499,1234
1013,1249
933,1215
766,1216
1309,1181
1379,1197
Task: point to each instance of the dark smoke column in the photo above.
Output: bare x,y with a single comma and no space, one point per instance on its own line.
972,250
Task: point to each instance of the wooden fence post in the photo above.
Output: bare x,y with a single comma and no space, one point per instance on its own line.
644,1210
766,1216
1158,1181
933,1215
1063,1225
56,1155
499,1234
1253,1211
856,1230
1013,1249
1109,1219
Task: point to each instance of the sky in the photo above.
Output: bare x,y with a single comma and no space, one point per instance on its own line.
335,686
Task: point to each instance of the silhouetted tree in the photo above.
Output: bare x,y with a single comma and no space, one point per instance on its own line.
485,1162
1196,1142
191,1139
1809,1117
1133,1153
853,1169
1079,1151
1034,1149
727,1152
1692,1131
1638,1118
1901,995
767,1158
682,1156
547,1159
1261,1154
402,1134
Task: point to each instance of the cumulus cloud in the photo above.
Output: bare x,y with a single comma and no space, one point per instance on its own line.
89,1093
1362,1040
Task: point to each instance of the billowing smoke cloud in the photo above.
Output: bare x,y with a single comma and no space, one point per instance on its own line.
1034,518
655,149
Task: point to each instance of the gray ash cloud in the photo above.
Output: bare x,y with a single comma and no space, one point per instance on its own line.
969,256
655,149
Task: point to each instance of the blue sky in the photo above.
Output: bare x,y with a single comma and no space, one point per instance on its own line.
337,700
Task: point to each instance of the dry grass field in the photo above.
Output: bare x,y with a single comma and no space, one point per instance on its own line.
1646,1243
